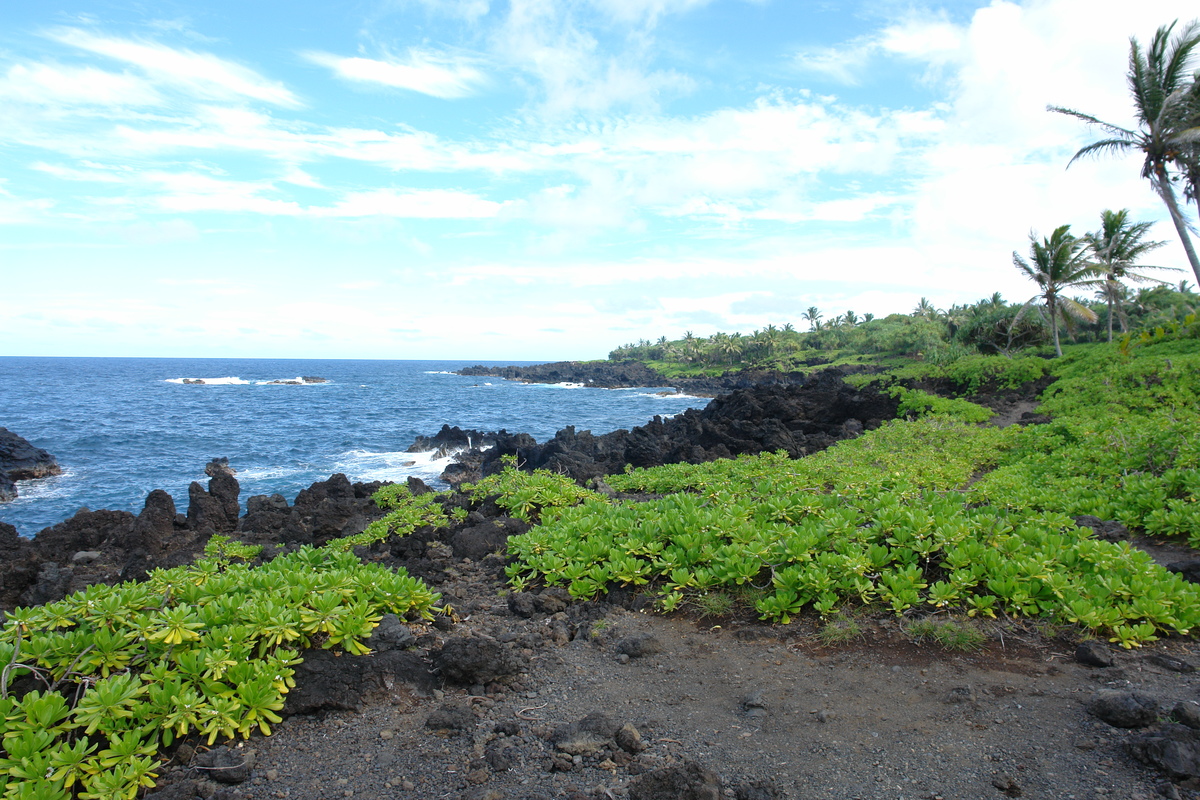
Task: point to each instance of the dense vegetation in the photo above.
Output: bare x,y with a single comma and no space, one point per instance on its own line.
894,519
205,650
938,337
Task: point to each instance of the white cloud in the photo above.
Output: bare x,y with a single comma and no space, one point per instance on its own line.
843,64
573,70
52,85
425,204
199,74
425,71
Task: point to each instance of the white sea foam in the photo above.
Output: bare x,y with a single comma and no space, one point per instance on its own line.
226,381
266,473
363,465
292,382
47,488
439,372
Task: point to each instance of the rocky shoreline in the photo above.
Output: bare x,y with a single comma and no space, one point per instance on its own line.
632,374
799,416
532,695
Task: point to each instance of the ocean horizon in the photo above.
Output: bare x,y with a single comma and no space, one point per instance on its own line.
122,427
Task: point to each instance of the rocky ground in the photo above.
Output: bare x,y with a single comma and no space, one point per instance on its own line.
533,697
528,696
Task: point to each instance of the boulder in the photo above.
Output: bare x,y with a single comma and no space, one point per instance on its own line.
687,781
473,660
20,461
1124,709
1172,749
329,681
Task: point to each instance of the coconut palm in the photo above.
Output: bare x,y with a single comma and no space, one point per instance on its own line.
925,309
813,318
1162,85
1116,249
1056,263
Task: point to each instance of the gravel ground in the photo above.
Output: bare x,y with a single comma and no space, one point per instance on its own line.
604,698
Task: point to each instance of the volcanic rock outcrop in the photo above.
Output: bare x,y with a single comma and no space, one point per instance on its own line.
799,419
20,461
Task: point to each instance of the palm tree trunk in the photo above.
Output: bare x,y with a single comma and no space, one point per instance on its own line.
1163,185
1054,325
1110,294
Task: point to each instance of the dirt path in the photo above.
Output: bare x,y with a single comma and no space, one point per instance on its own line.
769,709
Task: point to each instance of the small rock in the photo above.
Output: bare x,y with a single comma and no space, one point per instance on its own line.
1187,713
1006,784
759,790
590,735
386,735
1170,663
1093,654
754,699
391,634
1125,709
482,794
639,645
86,557
223,765
629,740
960,694
688,781
451,717
825,715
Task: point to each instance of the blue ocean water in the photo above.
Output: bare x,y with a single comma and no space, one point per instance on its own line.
121,427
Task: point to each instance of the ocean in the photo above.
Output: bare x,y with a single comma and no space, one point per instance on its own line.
122,427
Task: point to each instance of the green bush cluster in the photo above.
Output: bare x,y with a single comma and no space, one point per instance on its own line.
916,403
888,519
530,495
406,513
1124,443
206,649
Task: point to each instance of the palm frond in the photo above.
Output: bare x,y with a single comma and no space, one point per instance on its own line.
1105,146
1074,308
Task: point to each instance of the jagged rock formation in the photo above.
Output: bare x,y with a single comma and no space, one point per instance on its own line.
797,418
20,461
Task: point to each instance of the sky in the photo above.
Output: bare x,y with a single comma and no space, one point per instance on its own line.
536,179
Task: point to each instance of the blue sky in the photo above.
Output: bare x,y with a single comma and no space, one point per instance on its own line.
534,179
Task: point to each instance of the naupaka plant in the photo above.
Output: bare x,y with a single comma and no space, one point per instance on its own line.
205,650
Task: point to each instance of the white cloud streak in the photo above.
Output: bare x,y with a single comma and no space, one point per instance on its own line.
425,71
200,74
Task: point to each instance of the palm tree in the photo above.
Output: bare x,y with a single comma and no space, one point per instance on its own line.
925,309
1159,81
813,318
1116,248
1057,263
